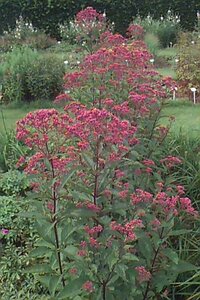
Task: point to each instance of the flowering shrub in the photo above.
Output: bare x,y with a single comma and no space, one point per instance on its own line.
86,29
112,231
104,208
189,62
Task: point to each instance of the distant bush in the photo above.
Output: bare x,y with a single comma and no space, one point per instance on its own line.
44,78
188,68
28,76
25,34
152,42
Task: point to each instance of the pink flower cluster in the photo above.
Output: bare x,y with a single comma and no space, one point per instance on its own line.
171,161
143,274
135,31
128,229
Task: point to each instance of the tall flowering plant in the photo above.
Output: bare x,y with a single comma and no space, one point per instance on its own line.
99,230
105,209
87,28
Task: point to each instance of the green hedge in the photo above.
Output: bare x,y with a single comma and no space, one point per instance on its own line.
46,14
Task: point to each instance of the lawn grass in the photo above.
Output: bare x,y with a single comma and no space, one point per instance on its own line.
169,52
11,116
187,117
167,71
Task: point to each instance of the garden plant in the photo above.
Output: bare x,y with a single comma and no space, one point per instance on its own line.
107,208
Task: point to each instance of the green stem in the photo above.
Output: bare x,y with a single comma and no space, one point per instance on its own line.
54,218
152,266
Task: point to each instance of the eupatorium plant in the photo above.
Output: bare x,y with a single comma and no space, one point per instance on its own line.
105,209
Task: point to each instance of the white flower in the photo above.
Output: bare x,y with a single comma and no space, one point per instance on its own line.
161,18
176,60
193,89
66,62
152,60
59,42
78,62
192,42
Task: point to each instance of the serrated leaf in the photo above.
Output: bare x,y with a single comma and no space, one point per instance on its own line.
53,283
121,270
82,212
40,269
71,250
130,257
89,161
44,229
145,247
66,178
112,260
40,252
172,255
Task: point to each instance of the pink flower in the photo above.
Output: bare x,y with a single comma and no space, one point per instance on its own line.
5,231
88,286
82,253
143,274
73,271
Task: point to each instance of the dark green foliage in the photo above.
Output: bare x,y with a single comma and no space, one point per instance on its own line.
44,78
46,14
29,76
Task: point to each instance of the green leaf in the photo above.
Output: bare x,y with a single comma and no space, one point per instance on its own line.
145,247
31,214
121,270
41,268
66,178
45,230
53,283
71,250
183,266
130,257
82,212
112,260
40,252
72,289
103,182
89,161
172,255
179,232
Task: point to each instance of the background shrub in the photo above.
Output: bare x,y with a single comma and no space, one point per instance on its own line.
188,68
29,76
14,73
44,78
25,34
